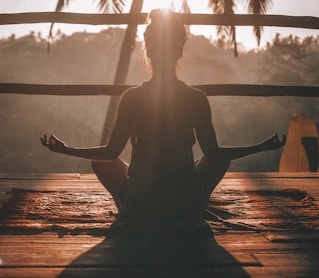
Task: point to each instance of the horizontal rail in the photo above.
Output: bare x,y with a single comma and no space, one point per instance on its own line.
111,90
308,22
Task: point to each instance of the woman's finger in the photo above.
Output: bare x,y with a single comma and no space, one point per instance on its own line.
44,140
52,140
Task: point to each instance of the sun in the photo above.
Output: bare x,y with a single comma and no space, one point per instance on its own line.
244,34
163,4
195,6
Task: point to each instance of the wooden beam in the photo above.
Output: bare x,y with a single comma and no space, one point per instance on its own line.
73,18
308,22
111,90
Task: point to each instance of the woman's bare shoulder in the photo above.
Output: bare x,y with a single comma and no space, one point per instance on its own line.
195,94
134,91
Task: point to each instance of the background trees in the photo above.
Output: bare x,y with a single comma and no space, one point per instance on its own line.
82,59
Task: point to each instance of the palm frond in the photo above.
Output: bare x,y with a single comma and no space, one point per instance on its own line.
229,6
217,6
111,6
225,7
185,7
61,4
258,7
59,7
234,39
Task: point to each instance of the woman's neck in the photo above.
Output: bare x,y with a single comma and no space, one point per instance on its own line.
164,76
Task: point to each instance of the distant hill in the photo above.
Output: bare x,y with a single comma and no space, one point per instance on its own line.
86,58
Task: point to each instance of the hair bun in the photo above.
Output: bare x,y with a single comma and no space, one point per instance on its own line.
165,25
163,16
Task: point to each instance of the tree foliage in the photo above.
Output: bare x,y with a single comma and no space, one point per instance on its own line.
87,58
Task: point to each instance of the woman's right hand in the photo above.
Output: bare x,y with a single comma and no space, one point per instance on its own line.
54,144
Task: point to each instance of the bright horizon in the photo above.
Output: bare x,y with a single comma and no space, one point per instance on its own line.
245,35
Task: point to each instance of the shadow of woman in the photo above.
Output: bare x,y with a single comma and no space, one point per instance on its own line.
157,254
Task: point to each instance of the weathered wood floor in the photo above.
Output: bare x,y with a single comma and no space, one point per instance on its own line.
230,254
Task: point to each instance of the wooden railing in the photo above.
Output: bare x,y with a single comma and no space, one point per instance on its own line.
140,18
308,22
109,90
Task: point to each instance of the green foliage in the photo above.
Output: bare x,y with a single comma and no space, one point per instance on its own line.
292,61
86,58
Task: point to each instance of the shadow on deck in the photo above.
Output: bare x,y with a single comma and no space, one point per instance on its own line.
236,252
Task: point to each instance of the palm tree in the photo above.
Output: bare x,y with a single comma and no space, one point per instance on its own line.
257,7
114,6
107,6
122,69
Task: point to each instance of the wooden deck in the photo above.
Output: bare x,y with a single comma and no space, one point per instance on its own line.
222,254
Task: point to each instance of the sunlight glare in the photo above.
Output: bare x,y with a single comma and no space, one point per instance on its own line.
163,4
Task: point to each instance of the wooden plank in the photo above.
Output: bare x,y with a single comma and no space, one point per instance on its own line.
230,178
270,247
267,175
209,89
269,181
232,254
32,253
48,176
308,22
55,185
39,272
85,272
64,258
230,271
52,238
292,271
293,237
91,176
302,259
242,237
260,272
105,255
237,247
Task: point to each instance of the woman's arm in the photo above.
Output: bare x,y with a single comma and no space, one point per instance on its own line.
206,136
111,151
232,153
54,144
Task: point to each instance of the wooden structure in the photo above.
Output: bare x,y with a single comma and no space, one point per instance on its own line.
222,254
307,22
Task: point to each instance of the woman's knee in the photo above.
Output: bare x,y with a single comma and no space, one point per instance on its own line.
207,168
110,173
211,173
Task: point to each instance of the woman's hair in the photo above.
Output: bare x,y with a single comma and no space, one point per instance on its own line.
167,30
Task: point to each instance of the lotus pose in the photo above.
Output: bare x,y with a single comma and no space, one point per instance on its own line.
162,118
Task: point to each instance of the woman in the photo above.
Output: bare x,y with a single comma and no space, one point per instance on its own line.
162,118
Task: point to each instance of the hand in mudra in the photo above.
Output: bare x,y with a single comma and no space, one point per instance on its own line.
274,143
54,144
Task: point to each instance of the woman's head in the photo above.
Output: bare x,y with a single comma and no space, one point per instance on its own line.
164,37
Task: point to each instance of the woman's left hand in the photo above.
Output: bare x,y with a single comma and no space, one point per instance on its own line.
274,143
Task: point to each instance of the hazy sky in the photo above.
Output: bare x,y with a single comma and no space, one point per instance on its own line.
285,7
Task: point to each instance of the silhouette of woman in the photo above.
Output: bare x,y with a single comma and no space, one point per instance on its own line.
162,118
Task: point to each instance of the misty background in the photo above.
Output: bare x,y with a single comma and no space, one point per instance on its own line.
91,58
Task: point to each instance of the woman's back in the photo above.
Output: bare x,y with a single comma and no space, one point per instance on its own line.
162,119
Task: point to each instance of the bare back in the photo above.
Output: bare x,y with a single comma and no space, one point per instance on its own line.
162,123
